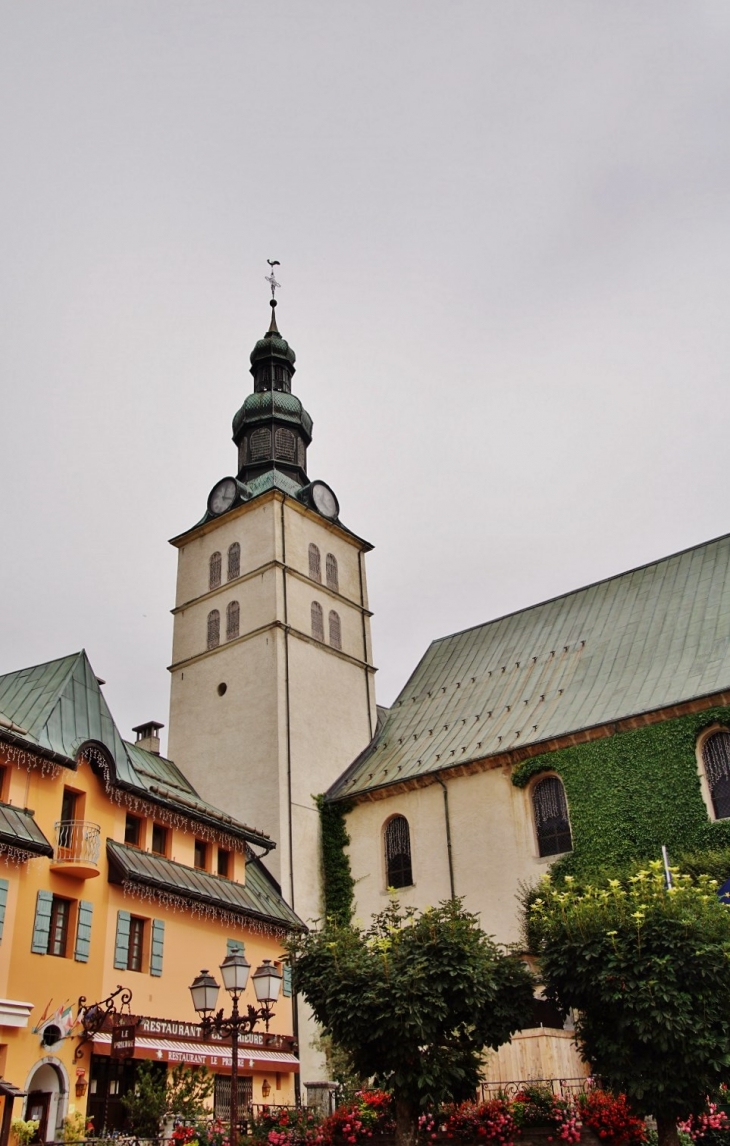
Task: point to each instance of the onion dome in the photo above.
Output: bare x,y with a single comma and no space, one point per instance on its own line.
272,429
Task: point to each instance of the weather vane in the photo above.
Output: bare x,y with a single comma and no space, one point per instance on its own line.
270,278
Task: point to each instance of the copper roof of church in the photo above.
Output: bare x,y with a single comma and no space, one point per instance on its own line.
642,641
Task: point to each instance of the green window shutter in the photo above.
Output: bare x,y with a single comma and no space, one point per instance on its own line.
158,941
235,947
286,984
121,949
4,885
42,924
83,932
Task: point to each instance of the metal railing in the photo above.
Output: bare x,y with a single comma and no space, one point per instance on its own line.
561,1087
77,841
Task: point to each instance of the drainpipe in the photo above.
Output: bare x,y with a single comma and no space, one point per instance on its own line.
448,836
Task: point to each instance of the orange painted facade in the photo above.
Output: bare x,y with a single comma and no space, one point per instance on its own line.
69,903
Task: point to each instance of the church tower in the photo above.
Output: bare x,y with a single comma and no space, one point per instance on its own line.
272,691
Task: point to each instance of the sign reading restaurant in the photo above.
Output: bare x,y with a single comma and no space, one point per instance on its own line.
190,1032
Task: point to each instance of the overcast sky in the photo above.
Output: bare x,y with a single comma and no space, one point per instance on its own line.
503,231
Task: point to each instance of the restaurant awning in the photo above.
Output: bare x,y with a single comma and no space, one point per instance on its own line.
211,1055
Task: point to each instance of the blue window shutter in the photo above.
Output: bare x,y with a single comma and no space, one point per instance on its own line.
4,885
42,924
235,947
286,984
158,941
83,932
121,949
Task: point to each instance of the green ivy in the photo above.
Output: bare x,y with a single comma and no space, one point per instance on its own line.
632,792
339,895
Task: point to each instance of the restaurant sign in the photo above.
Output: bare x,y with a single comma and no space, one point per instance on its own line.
191,1032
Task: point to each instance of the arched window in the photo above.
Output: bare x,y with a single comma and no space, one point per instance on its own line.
551,817
399,872
315,564
214,629
335,630
234,561
331,568
214,573
260,444
317,621
233,615
286,445
716,759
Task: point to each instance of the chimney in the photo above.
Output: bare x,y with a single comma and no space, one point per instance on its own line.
148,736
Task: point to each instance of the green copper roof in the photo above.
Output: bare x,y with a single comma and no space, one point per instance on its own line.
19,830
644,640
257,898
263,405
59,706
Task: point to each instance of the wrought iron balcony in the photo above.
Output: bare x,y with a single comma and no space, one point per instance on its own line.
76,852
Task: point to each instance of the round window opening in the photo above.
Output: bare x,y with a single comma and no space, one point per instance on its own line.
51,1035
222,688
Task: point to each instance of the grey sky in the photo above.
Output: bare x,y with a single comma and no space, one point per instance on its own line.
503,231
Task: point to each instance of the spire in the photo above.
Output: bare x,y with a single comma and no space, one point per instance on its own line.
272,429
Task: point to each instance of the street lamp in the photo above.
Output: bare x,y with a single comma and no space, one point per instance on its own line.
235,970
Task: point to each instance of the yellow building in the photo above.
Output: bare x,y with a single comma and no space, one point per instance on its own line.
116,873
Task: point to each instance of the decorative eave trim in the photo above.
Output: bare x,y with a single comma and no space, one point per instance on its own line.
32,749
509,758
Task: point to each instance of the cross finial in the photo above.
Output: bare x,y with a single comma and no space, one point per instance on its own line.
270,278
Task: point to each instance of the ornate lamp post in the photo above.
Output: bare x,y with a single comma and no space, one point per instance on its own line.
204,990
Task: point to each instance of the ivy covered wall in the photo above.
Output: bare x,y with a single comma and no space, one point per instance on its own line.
632,792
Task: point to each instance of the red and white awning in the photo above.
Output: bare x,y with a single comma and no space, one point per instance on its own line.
212,1055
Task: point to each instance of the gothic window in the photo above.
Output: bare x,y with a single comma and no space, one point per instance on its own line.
233,615
286,445
315,563
551,817
214,575
214,629
234,561
317,621
260,445
399,872
332,577
335,630
716,759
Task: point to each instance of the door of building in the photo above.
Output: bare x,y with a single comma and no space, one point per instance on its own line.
36,1109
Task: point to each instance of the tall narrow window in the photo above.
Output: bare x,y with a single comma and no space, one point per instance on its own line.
159,840
551,817
201,855
332,577
233,617
234,561
399,872
214,573
58,937
335,630
716,758
317,621
214,629
315,565
136,942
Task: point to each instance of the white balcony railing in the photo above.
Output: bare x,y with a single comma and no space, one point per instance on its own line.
77,841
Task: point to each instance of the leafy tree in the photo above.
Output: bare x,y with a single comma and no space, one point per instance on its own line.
414,1000
156,1096
648,972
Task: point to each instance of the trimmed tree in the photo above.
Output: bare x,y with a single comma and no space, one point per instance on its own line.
647,971
414,1000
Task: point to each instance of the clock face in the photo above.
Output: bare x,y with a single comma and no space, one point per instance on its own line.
222,496
324,500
